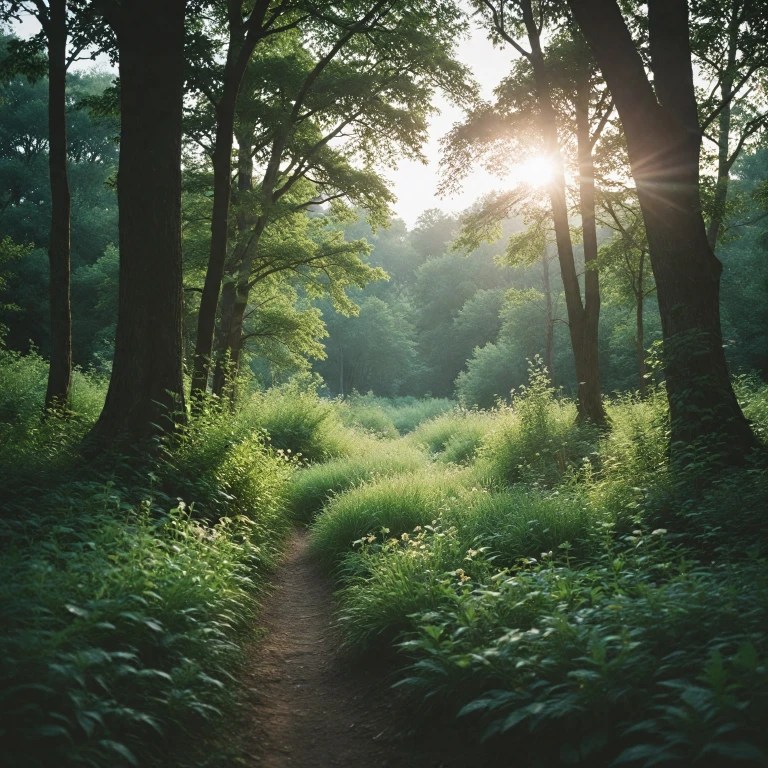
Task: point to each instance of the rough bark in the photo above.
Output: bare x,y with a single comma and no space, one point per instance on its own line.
589,391
663,141
60,370
145,395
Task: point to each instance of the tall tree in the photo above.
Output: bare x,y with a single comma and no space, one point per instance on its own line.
53,17
244,33
625,259
146,387
535,244
663,135
244,29
353,105
555,96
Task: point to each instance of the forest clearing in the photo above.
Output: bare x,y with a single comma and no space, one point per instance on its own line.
383,383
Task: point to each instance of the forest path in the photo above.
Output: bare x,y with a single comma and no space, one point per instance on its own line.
309,705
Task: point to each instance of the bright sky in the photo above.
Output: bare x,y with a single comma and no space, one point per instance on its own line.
415,184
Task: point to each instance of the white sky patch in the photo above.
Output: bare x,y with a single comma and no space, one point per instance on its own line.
415,184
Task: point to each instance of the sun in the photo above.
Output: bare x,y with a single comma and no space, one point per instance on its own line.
536,171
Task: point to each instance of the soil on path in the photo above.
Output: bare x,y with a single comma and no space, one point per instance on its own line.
310,707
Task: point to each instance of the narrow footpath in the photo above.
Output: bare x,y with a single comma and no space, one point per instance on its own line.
309,706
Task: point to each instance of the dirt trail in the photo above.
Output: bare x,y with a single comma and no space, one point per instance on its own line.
310,707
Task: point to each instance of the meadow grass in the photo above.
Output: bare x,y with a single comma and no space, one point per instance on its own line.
129,586
566,590
311,488
365,413
389,506
455,436
299,422
405,413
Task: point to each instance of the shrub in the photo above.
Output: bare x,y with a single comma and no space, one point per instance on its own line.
363,412
30,444
119,632
537,439
397,503
387,580
456,436
522,523
312,487
123,607
603,663
299,422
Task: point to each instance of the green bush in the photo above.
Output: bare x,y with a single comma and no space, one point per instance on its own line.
387,579
312,487
127,586
456,436
30,444
363,412
603,663
300,423
522,523
537,439
397,503
602,610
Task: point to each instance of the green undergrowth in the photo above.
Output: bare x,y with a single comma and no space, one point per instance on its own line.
392,504
392,417
129,586
456,436
565,591
362,412
314,486
299,422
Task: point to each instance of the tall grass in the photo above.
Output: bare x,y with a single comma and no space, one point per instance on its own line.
311,488
128,588
456,436
366,413
536,439
408,412
567,591
299,422
392,505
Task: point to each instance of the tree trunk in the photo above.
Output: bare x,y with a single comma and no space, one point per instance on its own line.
238,55
589,383
550,348
723,176
237,305
206,318
60,370
145,395
589,403
248,235
640,331
234,307
663,141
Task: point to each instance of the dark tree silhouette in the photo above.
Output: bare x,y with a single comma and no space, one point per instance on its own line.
146,388
663,137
